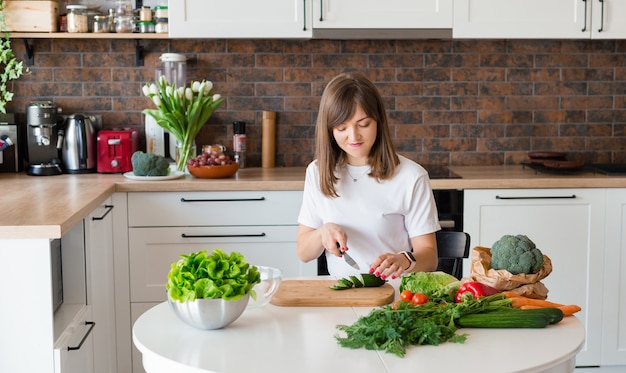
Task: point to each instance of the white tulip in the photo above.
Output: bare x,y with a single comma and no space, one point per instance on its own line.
208,87
146,90
195,86
156,100
201,91
154,89
189,94
216,97
168,90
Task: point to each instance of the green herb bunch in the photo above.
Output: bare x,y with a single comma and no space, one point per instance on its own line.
218,275
394,327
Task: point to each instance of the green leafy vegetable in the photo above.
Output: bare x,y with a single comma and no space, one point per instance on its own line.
432,284
219,275
394,327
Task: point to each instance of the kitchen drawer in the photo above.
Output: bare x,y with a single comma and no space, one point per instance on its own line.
169,209
73,351
153,250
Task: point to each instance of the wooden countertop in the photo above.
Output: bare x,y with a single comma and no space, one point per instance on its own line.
49,206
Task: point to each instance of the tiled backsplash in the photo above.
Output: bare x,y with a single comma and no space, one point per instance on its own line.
451,102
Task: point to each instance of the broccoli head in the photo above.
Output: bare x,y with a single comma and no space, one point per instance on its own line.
516,254
148,164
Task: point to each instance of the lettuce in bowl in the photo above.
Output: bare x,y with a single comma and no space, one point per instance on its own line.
201,275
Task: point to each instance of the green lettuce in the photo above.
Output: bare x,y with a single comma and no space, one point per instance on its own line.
432,284
218,275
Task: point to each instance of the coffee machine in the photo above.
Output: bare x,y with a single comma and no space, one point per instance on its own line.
42,120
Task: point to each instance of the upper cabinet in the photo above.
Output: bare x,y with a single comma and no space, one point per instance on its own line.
236,19
539,19
418,18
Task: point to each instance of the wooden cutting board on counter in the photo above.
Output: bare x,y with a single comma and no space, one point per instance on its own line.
312,293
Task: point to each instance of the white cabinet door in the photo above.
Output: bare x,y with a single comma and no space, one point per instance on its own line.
100,284
153,250
568,226
608,19
520,19
374,14
239,19
614,319
73,351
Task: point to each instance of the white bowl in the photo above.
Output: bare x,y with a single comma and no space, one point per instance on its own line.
265,290
209,313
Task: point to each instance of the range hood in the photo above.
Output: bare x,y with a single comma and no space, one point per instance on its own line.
395,34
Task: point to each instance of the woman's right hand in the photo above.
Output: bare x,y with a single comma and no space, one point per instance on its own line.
333,239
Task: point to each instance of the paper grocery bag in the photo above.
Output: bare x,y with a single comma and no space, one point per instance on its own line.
529,285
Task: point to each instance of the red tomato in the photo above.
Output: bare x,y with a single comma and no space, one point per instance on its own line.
419,298
406,295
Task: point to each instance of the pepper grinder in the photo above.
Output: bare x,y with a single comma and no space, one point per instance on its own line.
239,143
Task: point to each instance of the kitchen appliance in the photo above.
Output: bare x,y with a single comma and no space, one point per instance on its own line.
43,119
115,150
11,158
78,151
610,169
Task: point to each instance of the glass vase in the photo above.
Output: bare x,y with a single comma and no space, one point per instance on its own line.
185,150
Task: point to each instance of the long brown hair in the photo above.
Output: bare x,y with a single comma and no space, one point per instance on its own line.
341,97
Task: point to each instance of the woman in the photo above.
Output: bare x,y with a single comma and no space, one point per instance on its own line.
360,195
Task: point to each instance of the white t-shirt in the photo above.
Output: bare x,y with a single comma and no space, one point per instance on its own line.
378,217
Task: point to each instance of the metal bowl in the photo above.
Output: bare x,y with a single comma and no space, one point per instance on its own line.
265,290
209,313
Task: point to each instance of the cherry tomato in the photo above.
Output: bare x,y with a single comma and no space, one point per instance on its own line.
418,298
406,295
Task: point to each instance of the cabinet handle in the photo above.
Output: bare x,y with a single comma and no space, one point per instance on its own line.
109,208
185,235
304,13
91,325
321,10
223,199
538,197
601,16
585,17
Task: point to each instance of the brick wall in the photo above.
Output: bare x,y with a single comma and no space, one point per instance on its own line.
461,102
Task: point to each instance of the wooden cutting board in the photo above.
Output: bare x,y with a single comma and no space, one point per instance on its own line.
318,293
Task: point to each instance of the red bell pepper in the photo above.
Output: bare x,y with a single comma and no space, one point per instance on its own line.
475,288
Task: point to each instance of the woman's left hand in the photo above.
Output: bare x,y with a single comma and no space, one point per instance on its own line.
389,265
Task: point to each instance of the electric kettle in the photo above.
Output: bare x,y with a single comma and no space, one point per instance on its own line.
79,146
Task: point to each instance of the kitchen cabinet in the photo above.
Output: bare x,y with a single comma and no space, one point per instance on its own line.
37,336
261,225
539,19
614,317
567,225
101,285
332,16
236,19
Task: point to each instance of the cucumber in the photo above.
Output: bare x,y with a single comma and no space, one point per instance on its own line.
512,318
554,315
367,280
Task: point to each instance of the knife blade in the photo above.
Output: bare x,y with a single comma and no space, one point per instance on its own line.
348,258
350,261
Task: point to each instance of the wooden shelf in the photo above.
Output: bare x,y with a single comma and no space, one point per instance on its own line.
90,35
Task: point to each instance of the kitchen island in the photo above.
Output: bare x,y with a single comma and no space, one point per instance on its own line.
39,209
301,339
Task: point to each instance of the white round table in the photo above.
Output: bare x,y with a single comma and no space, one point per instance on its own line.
301,339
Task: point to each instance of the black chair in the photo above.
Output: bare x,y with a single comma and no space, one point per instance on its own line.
453,247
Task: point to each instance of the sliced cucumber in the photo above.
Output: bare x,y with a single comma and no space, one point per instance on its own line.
367,280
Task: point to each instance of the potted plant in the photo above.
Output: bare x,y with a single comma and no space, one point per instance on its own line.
210,291
11,68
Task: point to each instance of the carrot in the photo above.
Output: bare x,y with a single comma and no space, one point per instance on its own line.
518,302
570,309
510,294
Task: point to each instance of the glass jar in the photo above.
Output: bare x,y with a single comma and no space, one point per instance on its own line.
123,7
161,11
124,24
161,26
100,24
145,14
146,27
77,18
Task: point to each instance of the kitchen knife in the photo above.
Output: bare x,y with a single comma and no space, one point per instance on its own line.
348,258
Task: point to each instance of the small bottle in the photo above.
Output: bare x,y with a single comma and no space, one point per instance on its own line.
239,143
